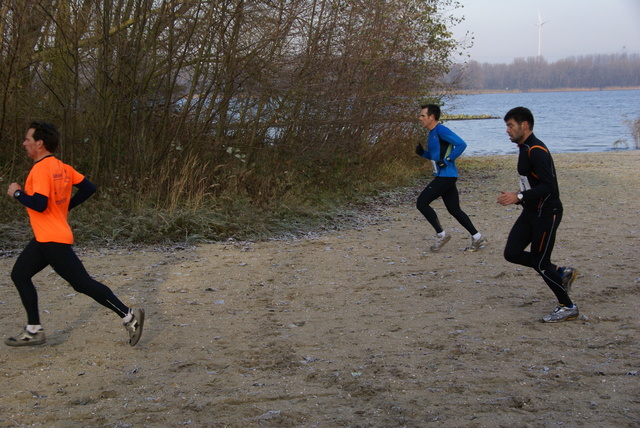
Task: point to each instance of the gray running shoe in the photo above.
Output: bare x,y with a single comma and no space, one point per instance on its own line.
569,275
134,327
440,242
26,339
562,313
476,244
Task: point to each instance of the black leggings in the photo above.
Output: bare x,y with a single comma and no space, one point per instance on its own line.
37,255
445,187
539,230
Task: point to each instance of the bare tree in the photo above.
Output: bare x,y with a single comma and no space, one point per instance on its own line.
146,91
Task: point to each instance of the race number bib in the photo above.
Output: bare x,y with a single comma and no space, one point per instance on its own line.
524,183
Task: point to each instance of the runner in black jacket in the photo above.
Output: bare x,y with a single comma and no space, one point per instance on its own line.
541,215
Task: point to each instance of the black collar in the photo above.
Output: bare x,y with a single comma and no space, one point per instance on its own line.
47,156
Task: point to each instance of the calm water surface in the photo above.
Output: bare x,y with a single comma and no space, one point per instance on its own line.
591,121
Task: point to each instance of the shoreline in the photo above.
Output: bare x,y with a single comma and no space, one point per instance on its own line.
520,91
554,153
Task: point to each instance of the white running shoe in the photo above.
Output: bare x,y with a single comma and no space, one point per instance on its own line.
440,242
476,244
26,339
134,327
562,313
568,275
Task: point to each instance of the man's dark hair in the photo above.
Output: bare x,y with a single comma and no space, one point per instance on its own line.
520,114
432,109
47,133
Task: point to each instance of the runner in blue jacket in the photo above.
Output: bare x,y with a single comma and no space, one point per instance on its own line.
443,148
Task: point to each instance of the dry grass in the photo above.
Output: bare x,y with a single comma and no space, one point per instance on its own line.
185,206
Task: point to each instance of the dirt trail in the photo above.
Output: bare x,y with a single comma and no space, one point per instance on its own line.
360,327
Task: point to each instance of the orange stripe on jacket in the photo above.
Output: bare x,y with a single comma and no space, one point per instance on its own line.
529,153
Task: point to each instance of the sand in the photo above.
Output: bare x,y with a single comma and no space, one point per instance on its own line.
352,327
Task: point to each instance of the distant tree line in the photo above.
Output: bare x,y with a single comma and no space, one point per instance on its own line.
177,100
590,71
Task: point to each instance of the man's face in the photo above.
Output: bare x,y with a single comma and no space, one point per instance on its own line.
515,131
426,120
30,145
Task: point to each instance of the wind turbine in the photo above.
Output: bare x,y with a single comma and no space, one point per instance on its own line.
539,25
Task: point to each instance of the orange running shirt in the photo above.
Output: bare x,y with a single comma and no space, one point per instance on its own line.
53,179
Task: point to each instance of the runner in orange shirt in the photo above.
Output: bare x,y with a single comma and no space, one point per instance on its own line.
47,196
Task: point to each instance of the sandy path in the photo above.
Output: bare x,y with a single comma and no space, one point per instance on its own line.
359,327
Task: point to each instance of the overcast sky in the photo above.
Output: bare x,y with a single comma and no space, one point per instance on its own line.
507,29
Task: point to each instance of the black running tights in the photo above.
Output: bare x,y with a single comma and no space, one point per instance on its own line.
444,187
61,257
539,230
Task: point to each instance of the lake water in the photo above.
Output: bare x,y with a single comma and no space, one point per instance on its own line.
591,121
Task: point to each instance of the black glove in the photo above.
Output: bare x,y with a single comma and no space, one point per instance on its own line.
419,150
441,163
